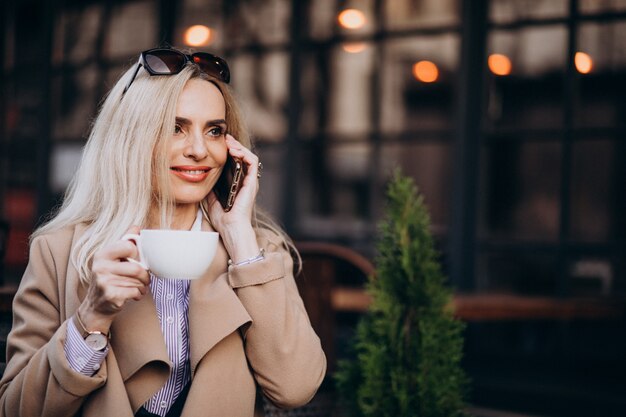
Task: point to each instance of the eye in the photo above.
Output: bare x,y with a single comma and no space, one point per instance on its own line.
178,129
216,131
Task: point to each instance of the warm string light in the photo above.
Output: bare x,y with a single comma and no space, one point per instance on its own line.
583,62
198,35
499,64
351,19
425,71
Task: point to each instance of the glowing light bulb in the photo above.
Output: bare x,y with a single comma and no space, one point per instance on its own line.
499,64
583,62
425,71
351,19
198,35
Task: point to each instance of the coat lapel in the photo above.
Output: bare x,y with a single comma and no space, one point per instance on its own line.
140,350
214,309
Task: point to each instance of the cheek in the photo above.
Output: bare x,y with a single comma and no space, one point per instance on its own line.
219,152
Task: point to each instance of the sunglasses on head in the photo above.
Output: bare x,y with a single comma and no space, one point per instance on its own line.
168,61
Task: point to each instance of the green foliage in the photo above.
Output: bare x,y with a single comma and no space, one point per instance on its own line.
408,347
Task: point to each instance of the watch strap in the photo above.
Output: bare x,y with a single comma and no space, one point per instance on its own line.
83,330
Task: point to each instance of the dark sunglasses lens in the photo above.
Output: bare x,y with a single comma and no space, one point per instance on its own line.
165,62
212,65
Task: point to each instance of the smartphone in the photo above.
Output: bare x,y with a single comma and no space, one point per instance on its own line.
229,183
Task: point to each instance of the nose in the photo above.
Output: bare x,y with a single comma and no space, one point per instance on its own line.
196,147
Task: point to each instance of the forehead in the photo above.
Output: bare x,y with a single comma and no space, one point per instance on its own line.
201,99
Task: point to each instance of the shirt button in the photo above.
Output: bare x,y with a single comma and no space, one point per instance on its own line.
96,367
81,362
163,404
170,320
170,296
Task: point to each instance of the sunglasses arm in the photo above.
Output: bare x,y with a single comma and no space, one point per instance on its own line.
139,65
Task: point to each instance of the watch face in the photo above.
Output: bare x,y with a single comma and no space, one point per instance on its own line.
97,341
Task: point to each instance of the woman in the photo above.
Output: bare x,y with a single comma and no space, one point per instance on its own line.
96,335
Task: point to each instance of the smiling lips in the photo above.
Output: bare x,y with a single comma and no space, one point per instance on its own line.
191,173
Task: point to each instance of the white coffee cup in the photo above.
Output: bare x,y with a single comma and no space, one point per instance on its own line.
181,254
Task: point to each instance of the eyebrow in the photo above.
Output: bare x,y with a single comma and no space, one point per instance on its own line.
214,122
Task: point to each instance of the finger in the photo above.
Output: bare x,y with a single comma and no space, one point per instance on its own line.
120,250
130,270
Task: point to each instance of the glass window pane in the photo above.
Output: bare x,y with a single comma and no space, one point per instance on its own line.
521,180
74,98
596,183
430,165
257,21
76,34
133,28
533,273
333,191
530,94
507,11
602,63
604,6
427,102
323,18
349,95
260,83
270,189
409,14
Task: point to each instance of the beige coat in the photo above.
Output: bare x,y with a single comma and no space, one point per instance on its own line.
247,326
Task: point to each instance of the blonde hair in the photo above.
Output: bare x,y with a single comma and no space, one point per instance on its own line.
124,167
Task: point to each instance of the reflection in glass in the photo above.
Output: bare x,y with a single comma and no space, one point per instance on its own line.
75,103
408,104
507,11
430,165
270,195
76,34
322,14
532,96
133,28
604,6
594,190
256,21
601,97
521,180
591,277
332,202
604,42
262,88
532,273
349,91
408,14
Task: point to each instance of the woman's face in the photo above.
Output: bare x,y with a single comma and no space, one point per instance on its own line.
197,149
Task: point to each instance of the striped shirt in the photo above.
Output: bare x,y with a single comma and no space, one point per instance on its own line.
171,297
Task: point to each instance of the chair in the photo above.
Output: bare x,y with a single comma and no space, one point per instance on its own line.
324,267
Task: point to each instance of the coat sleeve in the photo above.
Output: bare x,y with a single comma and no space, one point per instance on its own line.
284,352
38,380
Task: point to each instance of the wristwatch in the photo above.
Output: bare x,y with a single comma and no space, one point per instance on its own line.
96,340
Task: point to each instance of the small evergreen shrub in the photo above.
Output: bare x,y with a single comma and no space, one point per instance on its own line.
408,347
